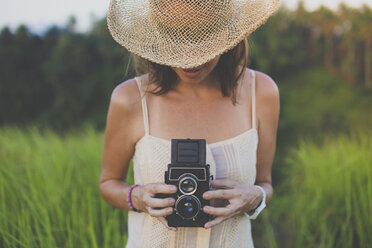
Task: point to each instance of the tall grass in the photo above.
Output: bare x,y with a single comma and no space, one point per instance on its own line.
49,194
327,193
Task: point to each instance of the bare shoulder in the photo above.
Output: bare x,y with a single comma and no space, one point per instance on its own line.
267,103
126,96
266,88
124,115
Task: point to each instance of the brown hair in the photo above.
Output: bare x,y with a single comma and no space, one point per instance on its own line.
227,70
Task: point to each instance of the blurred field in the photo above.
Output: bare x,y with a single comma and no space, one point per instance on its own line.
326,198
49,195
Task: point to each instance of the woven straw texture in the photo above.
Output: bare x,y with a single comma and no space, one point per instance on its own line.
185,33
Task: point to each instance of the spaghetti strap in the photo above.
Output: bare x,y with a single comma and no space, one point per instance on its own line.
144,106
253,83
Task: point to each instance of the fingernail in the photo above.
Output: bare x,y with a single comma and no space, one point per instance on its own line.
173,229
206,208
206,195
171,201
208,225
173,188
169,210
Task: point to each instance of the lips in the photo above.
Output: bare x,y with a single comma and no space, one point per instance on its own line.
192,69
192,72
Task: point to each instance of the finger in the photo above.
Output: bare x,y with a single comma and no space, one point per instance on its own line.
222,211
156,188
159,212
219,194
223,184
214,222
165,223
160,203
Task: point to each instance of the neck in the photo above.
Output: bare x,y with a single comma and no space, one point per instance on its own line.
203,87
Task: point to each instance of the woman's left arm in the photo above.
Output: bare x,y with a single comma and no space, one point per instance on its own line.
268,108
243,197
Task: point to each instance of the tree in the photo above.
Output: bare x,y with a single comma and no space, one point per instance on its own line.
366,33
326,19
347,51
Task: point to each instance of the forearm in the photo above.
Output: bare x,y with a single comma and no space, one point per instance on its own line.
115,193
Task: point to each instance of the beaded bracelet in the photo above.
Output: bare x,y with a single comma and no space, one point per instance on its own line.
129,198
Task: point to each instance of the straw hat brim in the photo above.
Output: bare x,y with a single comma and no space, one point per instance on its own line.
130,26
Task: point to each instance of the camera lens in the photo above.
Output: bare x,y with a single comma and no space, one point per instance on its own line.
187,185
188,207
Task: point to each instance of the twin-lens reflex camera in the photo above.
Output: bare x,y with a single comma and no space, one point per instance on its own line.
190,173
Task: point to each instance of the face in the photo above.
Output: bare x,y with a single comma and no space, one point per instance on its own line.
197,74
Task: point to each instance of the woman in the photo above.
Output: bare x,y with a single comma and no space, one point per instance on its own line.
197,86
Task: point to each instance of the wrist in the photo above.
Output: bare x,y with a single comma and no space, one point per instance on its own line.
260,196
254,213
133,198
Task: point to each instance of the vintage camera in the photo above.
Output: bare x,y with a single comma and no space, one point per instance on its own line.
190,173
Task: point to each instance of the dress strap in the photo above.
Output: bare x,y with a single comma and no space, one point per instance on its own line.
145,113
253,76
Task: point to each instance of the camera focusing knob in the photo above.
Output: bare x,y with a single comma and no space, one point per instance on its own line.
210,180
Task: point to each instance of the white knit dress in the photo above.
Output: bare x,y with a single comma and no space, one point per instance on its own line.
233,158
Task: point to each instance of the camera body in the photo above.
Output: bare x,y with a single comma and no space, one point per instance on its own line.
189,172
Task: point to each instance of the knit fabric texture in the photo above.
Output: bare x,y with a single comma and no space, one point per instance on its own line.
151,157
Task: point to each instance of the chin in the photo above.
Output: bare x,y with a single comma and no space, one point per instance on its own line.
198,73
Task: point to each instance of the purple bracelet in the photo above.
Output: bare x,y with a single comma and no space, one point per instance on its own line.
129,198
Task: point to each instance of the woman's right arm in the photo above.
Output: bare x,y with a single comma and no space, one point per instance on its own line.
124,127
119,142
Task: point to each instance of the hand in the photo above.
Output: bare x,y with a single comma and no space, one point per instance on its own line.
241,196
143,199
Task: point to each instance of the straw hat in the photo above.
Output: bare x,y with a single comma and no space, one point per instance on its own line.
185,33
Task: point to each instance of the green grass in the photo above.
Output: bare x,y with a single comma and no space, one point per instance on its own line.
327,194
49,191
49,194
